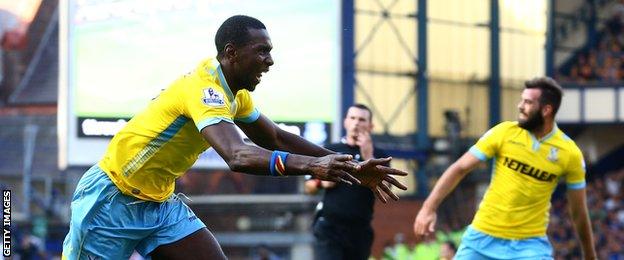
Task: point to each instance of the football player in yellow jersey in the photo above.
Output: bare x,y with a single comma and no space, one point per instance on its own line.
529,156
126,201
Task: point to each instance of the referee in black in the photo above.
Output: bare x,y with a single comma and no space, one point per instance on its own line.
342,225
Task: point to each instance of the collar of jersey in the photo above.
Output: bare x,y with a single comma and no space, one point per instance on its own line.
222,81
537,142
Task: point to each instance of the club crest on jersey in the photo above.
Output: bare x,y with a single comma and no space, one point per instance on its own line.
553,156
213,98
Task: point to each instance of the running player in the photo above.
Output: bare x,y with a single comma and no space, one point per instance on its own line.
530,157
126,201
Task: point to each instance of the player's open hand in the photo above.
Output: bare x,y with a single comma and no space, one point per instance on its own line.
424,224
335,167
373,174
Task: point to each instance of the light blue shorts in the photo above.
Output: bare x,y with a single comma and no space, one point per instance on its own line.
106,224
477,245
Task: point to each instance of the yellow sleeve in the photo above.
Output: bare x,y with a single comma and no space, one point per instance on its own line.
575,174
246,112
488,144
206,104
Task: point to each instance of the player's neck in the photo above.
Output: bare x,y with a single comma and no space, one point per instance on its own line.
229,76
546,128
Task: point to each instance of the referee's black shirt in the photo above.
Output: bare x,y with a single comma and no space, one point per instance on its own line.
349,203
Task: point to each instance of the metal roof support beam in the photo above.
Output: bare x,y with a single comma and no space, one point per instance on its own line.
495,87
348,60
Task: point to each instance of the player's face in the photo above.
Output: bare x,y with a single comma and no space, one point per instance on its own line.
254,58
530,110
357,121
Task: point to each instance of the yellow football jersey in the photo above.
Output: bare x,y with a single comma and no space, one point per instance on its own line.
163,141
525,172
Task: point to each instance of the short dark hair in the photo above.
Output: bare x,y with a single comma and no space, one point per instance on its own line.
235,30
362,106
551,91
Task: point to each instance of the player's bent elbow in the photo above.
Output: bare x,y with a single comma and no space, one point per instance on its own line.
234,162
235,166
241,160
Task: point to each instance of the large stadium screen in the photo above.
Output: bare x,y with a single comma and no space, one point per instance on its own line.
116,55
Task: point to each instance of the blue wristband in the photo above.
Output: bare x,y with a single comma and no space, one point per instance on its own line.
277,164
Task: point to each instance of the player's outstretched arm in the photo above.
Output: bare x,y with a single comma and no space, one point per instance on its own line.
267,134
424,224
251,159
578,212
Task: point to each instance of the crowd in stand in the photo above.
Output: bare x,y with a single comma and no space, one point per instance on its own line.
605,200
605,195
604,60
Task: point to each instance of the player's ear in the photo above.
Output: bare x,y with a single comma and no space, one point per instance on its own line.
229,50
547,109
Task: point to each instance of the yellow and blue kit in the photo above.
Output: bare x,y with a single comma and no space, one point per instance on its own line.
162,142
525,172
126,201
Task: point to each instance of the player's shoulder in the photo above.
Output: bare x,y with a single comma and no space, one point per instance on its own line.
198,83
208,68
206,73
566,142
192,87
509,128
243,95
193,80
507,125
501,128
